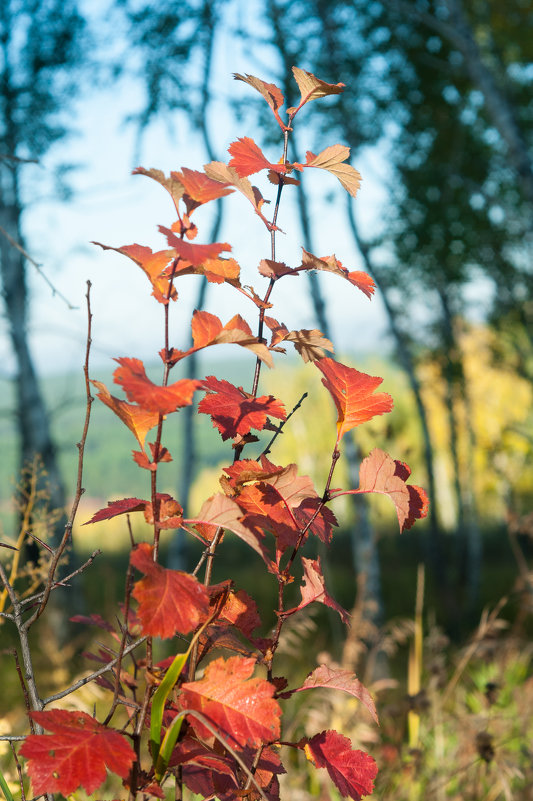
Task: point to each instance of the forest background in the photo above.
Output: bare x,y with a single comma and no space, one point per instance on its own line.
439,115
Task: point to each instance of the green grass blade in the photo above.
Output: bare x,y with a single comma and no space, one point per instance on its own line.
167,746
159,700
5,789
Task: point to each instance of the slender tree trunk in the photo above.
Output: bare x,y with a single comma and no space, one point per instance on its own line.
435,550
33,427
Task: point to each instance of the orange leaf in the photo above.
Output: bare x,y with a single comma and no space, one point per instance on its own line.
194,254
248,158
241,708
138,420
219,171
269,91
170,601
139,389
75,755
353,394
331,159
207,330
329,263
152,264
199,188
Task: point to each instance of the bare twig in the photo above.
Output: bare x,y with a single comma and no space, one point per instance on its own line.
94,675
38,267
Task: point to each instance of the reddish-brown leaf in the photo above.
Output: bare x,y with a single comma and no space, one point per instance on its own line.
219,510
114,508
269,91
352,772
170,601
314,589
248,158
353,394
381,473
331,264
247,470
75,755
332,159
131,375
339,679
234,411
173,184
219,171
241,708
274,269
312,88
169,512
241,610
153,265
138,420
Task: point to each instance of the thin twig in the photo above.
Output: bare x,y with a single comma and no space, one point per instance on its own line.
79,489
38,267
283,423
93,676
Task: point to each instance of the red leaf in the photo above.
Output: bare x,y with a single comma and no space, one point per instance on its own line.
234,411
139,421
241,610
75,755
339,679
152,397
352,393
381,473
115,508
249,158
241,708
352,772
314,589
170,601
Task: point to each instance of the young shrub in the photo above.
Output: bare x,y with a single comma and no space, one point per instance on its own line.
214,723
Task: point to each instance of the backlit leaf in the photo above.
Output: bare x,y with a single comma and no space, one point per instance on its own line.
173,185
114,508
353,394
269,91
138,420
352,772
153,266
248,158
234,411
131,375
241,708
199,188
170,601
219,510
312,88
77,754
332,159
314,589
219,171
339,679
329,263
208,330
193,253
381,473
